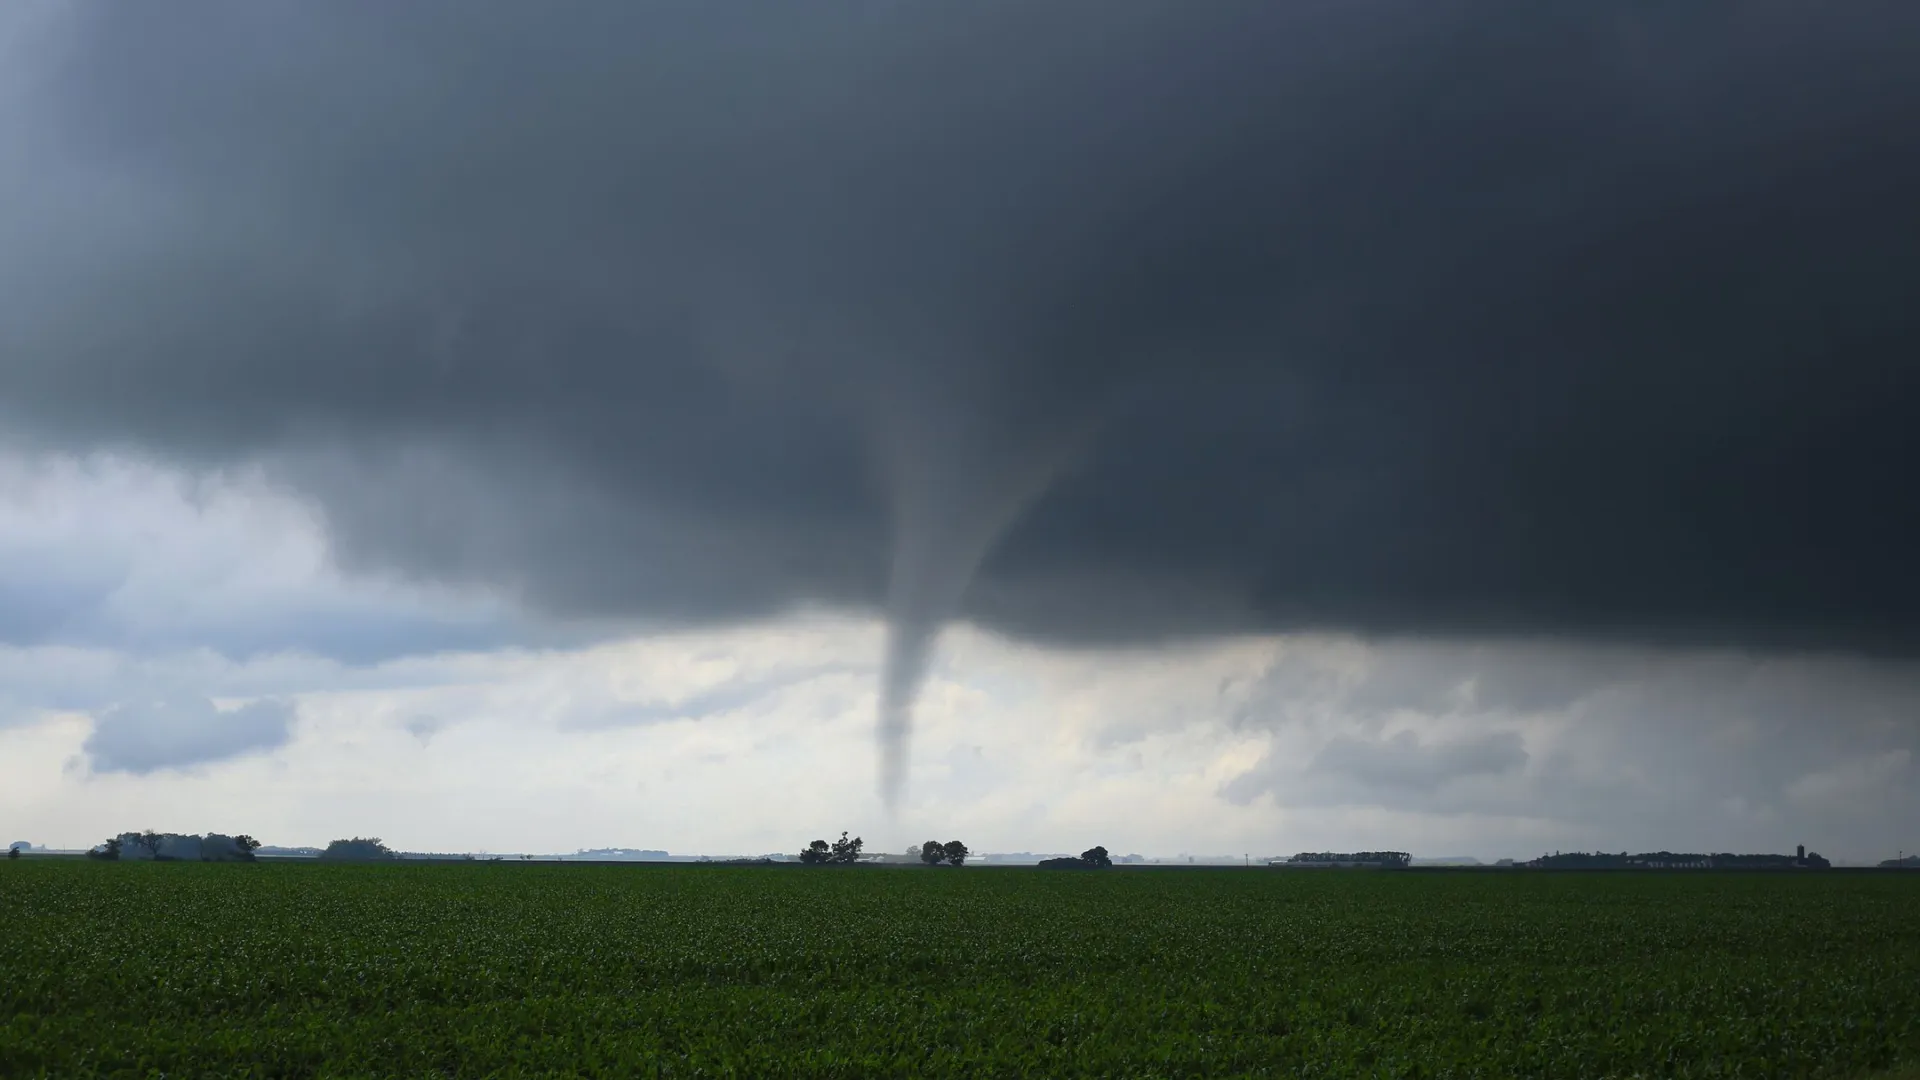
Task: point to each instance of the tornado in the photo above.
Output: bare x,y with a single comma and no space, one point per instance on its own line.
956,489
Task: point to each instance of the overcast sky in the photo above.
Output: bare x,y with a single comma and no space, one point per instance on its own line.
1464,428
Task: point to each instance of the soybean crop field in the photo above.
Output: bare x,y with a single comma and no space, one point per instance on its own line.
290,969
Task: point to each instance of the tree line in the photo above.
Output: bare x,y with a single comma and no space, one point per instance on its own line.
1094,858
848,850
176,847
219,847
1394,859
1802,859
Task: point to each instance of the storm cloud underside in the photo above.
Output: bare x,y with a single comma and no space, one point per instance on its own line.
1089,323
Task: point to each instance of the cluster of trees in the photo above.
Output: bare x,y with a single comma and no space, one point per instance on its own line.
176,847
847,850
216,847
841,852
1678,860
360,847
1397,859
1094,858
934,853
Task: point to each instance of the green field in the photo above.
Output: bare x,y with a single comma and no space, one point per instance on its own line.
285,969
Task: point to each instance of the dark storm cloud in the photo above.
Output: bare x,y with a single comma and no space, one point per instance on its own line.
1090,321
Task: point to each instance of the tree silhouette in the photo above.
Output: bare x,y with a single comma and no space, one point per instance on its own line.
1094,858
842,852
846,851
933,853
151,842
358,848
956,852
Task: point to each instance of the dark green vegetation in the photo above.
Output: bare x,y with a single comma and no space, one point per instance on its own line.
1679,860
842,852
1094,858
304,969
951,853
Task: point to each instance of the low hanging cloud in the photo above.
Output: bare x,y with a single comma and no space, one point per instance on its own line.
1092,323
1403,762
146,736
1600,745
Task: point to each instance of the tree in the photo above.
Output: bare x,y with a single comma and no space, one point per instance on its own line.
358,848
13,853
956,852
1094,858
841,852
914,851
109,850
151,842
846,851
246,846
933,853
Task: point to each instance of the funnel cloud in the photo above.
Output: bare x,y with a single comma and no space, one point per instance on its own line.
1088,323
